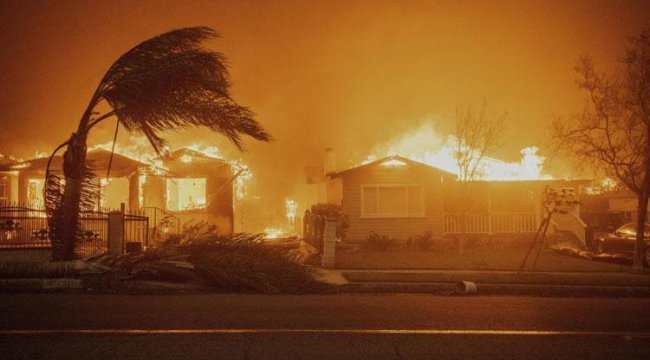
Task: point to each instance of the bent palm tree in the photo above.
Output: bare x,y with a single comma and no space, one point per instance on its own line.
167,82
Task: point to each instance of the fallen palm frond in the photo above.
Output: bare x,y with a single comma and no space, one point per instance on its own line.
238,262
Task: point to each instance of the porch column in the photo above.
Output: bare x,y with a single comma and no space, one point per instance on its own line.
115,232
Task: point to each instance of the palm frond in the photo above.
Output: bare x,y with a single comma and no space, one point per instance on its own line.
238,262
170,82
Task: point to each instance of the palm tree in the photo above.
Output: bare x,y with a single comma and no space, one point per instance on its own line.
166,82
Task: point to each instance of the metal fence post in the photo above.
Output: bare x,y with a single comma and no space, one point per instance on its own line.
328,259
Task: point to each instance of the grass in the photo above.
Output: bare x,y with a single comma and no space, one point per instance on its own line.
477,257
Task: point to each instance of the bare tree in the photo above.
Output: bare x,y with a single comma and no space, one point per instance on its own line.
477,133
166,82
612,134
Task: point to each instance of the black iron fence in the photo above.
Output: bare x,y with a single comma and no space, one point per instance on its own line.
23,227
136,232
162,224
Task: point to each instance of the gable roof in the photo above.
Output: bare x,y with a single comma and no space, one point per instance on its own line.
120,165
397,158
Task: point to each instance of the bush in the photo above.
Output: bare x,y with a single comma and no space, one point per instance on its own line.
379,242
424,242
332,211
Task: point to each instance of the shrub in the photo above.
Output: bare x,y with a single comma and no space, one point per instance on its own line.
424,241
379,242
335,212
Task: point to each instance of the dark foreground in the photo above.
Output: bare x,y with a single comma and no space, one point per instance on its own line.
75,326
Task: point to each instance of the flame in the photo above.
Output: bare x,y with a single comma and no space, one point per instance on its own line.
209,151
273,233
239,168
139,149
292,209
426,146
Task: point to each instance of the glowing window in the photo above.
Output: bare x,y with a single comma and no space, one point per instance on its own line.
4,190
35,193
381,201
185,194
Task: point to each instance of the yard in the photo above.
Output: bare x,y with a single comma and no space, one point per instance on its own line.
492,256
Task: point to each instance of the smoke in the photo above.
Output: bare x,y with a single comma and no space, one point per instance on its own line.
347,75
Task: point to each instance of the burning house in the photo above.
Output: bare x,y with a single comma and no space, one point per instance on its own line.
193,187
402,198
23,181
186,185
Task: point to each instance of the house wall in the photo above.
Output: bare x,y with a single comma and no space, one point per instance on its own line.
218,191
399,228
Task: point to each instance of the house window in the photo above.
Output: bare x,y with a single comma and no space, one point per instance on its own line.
4,190
35,193
185,194
381,201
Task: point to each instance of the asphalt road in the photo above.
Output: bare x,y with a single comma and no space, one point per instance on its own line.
84,326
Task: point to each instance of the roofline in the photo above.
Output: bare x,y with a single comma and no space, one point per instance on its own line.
334,175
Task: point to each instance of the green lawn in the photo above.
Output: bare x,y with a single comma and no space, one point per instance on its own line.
478,257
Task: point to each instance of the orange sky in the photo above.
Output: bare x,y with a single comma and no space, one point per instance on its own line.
345,74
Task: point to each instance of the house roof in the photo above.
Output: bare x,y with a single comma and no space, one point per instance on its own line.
120,165
393,158
187,162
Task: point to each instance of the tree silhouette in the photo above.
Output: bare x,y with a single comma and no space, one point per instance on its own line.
613,132
166,82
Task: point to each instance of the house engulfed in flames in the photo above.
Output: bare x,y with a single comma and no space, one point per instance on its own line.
186,184
402,198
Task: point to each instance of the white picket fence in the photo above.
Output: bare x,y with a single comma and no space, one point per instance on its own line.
491,223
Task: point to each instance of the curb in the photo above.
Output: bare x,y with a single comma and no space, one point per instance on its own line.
498,289
63,284
81,285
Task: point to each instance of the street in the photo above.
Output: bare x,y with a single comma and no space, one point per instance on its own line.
235,326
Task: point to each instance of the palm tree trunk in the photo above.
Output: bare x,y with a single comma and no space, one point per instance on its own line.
74,161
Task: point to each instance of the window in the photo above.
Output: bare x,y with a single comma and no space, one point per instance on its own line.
35,193
380,201
185,194
4,190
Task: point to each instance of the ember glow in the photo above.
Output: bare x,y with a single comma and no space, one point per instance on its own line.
138,148
273,233
425,145
292,208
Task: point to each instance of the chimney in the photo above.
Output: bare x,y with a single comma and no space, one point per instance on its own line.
329,164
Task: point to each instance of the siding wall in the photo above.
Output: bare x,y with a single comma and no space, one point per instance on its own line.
399,228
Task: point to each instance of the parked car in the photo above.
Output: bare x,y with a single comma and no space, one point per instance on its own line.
622,240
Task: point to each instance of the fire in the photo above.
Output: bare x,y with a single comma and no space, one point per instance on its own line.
241,170
426,146
138,148
292,209
273,233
